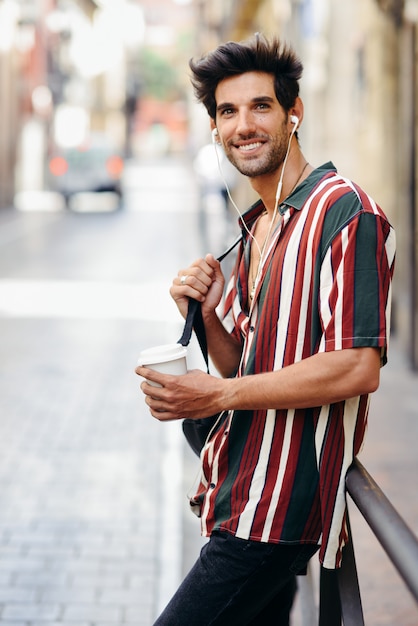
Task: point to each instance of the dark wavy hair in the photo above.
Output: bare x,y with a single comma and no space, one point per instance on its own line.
257,54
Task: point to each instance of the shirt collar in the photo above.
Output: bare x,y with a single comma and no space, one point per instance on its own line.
296,199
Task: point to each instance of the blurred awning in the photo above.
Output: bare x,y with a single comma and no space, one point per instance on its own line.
88,6
245,12
393,8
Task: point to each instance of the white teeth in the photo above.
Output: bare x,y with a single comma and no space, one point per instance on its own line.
250,146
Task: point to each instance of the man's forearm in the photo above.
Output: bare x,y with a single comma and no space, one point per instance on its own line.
316,381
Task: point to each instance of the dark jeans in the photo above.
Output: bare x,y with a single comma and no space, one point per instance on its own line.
238,583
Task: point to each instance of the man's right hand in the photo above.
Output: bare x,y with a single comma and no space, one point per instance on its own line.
203,281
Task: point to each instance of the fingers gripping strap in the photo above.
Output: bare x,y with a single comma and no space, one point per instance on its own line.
194,318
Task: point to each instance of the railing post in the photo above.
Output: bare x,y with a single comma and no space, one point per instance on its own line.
351,607
329,598
339,595
396,538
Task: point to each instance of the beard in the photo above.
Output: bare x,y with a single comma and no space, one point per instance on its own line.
264,164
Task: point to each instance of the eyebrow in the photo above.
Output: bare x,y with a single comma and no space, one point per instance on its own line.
256,100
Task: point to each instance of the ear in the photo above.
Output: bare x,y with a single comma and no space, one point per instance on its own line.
214,132
297,109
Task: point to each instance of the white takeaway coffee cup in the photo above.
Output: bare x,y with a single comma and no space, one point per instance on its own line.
168,359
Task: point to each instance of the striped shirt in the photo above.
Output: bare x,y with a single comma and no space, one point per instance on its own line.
279,475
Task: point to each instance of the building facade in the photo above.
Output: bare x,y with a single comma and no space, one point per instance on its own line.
360,94
360,90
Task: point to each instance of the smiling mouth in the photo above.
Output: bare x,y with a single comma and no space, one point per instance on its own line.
250,146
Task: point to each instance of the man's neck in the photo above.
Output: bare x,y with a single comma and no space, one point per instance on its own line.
297,169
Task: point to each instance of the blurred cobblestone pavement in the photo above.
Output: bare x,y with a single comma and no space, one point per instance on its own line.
94,524
90,485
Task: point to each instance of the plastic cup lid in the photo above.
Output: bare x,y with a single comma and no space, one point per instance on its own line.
162,354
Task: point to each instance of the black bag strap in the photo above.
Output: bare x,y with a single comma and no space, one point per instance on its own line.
194,318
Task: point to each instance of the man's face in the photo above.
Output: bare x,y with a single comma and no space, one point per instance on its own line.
251,123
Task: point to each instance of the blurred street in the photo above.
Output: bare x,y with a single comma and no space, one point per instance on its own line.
90,485
94,523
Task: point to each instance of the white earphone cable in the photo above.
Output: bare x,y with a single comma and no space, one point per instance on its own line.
278,192
232,200
280,184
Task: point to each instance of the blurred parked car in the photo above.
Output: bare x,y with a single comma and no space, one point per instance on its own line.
94,166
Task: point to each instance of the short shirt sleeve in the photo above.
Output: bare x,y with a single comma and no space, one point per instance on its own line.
355,284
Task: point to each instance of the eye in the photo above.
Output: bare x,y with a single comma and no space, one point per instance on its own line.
226,112
262,106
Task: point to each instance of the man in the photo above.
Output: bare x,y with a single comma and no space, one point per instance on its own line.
299,350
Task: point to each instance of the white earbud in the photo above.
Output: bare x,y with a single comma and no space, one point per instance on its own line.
295,121
214,134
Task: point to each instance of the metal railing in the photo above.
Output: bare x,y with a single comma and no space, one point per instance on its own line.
340,599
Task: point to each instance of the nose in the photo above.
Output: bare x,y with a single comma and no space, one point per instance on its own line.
245,123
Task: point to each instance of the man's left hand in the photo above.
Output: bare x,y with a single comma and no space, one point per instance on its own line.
193,395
